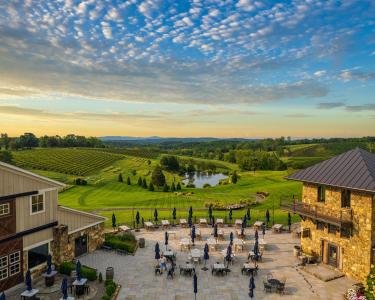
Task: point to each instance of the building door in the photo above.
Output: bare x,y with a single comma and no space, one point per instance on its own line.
332,255
80,245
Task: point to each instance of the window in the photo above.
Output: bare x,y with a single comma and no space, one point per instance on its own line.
14,269
345,232
37,203
3,274
4,209
37,256
321,193
320,225
306,232
332,229
14,257
345,198
3,261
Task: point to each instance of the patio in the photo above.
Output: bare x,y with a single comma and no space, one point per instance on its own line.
137,277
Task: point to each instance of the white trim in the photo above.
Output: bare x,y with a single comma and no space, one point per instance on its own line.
85,227
6,269
38,244
19,257
31,204
19,269
5,204
15,169
83,212
7,263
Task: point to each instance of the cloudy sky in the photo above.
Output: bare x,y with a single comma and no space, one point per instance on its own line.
225,68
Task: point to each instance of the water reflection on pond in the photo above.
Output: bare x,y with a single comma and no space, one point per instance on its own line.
199,179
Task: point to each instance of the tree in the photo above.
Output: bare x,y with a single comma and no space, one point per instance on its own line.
178,187
140,182
190,168
28,140
234,177
6,156
151,187
165,188
128,182
173,187
157,177
144,183
4,141
170,163
120,179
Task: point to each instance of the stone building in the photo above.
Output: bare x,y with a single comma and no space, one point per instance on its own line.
337,211
33,225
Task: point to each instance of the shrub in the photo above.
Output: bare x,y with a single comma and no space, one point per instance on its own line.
105,297
100,277
67,267
206,185
80,181
190,185
110,287
125,242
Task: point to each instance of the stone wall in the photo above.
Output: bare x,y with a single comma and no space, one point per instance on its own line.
63,243
355,251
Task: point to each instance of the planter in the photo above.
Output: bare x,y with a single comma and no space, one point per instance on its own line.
297,251
109,273
141,242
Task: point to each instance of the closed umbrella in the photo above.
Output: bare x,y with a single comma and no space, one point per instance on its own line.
213,221
28,281
229,254
157,251
78,270
2,296
231,238
242,232
195,285
49,264
64,288
251,287
264,230
215,231
166,240
137,218
190,221
256,235
205,256
289,220
191,211
155,215
210,212
230,216
113,221
193,234
174,214
244,221
267,216
248,214
256,249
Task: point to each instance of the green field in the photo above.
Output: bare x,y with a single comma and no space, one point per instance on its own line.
105,195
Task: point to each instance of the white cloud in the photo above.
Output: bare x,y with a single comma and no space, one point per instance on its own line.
320,73
246,5
187,21
106,30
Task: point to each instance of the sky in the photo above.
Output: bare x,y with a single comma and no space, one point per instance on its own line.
220,68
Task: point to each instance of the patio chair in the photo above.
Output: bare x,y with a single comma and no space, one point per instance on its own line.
196,260
86,289
157,270
170,273
280,288
267,286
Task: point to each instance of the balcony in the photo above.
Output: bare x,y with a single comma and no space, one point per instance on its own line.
341,217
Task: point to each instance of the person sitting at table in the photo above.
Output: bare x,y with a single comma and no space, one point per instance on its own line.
162,262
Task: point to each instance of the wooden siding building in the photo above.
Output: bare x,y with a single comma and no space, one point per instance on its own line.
31,222
338,211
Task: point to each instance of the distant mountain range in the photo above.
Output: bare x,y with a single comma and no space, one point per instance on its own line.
158,139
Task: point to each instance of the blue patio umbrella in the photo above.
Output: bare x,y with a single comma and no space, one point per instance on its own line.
256,248
215,231
228,257
113,220
155,215
190,221
230,215
166,240
289,220
251,287
267,216
28,281
248,214
137,218
2,296
157,251
256,235
244,221
174,213
64,288
195,285
49,264
193,234
210,212
231,238
78,270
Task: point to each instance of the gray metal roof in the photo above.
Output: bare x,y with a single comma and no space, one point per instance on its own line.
354,169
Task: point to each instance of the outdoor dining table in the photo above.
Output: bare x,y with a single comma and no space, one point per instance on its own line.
174,233
238,223
203,222
165,224
168,253
80,286
212,243
149,225
196,254
258,225
220,222
220,233
224,253
277,228
198,234
249,268
185,243
29,295
218,267
183,222
238,244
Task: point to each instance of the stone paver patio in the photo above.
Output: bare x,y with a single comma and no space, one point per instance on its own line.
136,273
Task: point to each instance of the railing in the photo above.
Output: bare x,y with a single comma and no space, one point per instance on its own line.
339,217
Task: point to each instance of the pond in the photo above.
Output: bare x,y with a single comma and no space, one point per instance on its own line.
200,179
